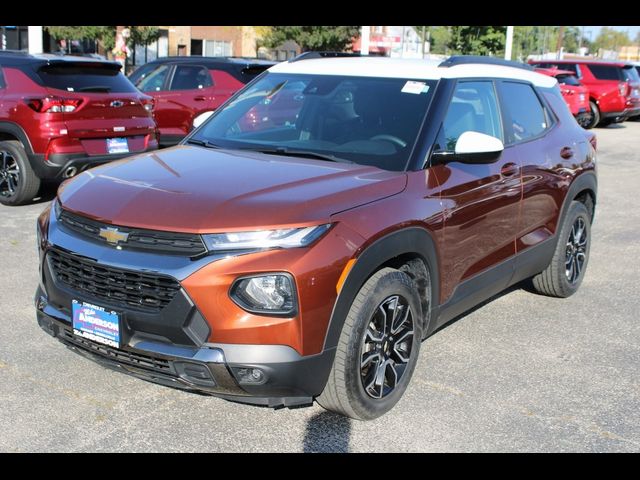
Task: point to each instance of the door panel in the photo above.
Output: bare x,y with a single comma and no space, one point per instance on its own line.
481,201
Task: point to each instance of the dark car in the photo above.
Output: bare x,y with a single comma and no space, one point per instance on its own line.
308,258
60,115
614,87
185,88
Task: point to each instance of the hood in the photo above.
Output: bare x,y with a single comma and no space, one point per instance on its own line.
197,190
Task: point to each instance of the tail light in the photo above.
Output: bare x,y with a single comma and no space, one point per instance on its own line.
148,104
566,91
594,142
53,104
623,88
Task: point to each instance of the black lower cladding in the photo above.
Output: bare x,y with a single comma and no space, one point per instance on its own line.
175,319
58,164
290,379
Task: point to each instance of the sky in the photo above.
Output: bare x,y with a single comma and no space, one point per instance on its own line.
632,30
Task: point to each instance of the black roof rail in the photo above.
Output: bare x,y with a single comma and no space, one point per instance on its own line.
308,55
454,60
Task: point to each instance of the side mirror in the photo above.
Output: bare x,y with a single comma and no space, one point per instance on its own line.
473,147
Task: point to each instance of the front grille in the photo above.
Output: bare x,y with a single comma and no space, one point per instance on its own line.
119,287
122,356
171,243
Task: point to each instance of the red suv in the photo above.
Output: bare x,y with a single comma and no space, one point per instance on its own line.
186,88
614,87
307,258
574,93
61,115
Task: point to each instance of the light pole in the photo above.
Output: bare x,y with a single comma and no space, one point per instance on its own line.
509,43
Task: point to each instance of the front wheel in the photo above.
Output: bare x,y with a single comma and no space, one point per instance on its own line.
378,348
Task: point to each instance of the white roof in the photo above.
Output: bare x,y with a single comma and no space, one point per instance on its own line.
407,68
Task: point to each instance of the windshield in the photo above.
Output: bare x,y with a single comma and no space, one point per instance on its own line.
370,121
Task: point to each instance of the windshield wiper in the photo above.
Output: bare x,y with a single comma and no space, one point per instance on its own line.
202,143
299,153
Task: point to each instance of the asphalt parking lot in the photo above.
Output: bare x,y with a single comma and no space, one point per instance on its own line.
521,373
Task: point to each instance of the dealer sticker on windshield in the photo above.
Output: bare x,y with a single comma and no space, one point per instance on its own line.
415,87
95,323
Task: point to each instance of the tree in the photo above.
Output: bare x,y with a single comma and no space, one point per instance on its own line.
335,38
478,40
438,38
610,39
143,35
105,35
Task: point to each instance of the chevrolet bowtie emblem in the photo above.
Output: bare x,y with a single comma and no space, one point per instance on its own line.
113,236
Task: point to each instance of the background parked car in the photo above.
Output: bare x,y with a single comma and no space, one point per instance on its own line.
614,94
62,114
574,93
187,87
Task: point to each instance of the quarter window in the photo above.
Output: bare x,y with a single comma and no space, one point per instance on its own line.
527,115
190,77
606,72
2,84
474,107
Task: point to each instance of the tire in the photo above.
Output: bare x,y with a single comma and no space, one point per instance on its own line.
595,116
351,389
559,280
18,182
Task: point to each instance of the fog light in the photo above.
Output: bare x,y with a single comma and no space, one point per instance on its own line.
254,376
273,294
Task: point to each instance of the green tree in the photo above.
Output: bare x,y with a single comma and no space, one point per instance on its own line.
335,38
104,35
610,39
438,38
143,35
478,40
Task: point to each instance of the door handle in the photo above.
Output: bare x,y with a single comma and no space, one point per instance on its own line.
566,153
200,99
509,169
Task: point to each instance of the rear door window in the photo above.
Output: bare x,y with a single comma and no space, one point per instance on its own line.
73,77
191,77
606,72
154,80
527,116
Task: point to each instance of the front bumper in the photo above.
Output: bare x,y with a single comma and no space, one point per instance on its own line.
213,369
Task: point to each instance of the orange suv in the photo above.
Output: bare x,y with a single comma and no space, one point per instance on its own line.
278,262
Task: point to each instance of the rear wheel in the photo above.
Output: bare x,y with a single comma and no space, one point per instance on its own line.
563,276
378,348
594,118
18,182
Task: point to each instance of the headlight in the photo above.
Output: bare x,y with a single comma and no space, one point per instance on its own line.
261,239
271,294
